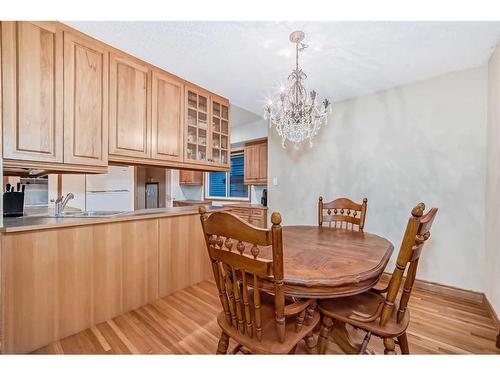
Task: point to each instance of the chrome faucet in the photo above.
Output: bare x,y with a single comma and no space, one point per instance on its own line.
60,203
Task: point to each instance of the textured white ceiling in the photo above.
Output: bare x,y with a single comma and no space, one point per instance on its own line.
247,61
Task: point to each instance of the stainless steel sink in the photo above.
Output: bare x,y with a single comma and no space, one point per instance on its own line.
90,214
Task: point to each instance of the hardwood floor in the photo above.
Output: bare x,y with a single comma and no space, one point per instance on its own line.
184,322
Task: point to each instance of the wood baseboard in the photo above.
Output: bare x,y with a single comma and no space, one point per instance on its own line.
447,290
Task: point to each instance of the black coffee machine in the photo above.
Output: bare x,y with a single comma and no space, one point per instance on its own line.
263,200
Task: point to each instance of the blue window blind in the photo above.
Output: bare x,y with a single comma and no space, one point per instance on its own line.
217,187
236,187
229,184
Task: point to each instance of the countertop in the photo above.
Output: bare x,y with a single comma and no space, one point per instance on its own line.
38,222
245,205
192,201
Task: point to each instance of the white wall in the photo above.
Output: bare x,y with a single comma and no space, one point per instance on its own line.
421,142
249,132
184,192
74,183
493,184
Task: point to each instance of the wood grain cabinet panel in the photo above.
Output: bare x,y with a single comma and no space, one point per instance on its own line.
85,101
167,116
251,155
262,175
258,222
74,274
140,262
57,282
183,257
190,178
254,216
107,261
32,57
255,163
29,277
129,103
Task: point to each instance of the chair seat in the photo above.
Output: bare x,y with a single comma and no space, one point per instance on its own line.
366,304
269,343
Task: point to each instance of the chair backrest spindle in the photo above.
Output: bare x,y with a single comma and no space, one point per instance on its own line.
342,213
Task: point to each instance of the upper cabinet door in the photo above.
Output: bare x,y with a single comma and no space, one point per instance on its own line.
220,145
263,163
129,103
256,163
251,163
197,129
167,118
85,101
32,57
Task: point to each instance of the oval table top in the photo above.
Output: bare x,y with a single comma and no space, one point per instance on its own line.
322,262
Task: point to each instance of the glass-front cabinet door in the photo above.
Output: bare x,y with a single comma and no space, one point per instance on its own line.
220,146
197,136
208,129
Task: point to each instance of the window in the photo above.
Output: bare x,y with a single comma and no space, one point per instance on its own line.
229,184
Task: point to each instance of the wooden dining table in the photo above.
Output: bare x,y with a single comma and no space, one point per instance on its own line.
325,262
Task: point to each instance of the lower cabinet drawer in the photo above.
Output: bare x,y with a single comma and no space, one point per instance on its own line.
257,213
256,221
253,216
240,212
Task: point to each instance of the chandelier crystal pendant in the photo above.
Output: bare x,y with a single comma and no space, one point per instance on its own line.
295,114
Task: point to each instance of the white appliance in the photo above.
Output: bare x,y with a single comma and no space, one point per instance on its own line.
112,191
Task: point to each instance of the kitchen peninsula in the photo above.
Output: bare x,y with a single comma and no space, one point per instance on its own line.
63,275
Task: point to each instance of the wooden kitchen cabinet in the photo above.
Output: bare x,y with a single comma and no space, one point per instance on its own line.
207,129
73,104
32,91
86,70
129,103
254,214
55,98
197,126
139,243
255,163
190,178
167,116
219,130
57,281
183,258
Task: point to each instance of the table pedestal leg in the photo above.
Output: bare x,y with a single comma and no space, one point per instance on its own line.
341,337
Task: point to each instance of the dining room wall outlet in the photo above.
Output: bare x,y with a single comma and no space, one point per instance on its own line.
275,181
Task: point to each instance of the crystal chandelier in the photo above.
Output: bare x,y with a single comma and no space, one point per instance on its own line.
295,114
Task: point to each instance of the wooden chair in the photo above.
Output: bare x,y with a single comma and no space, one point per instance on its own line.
259,321
374,311
342,212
